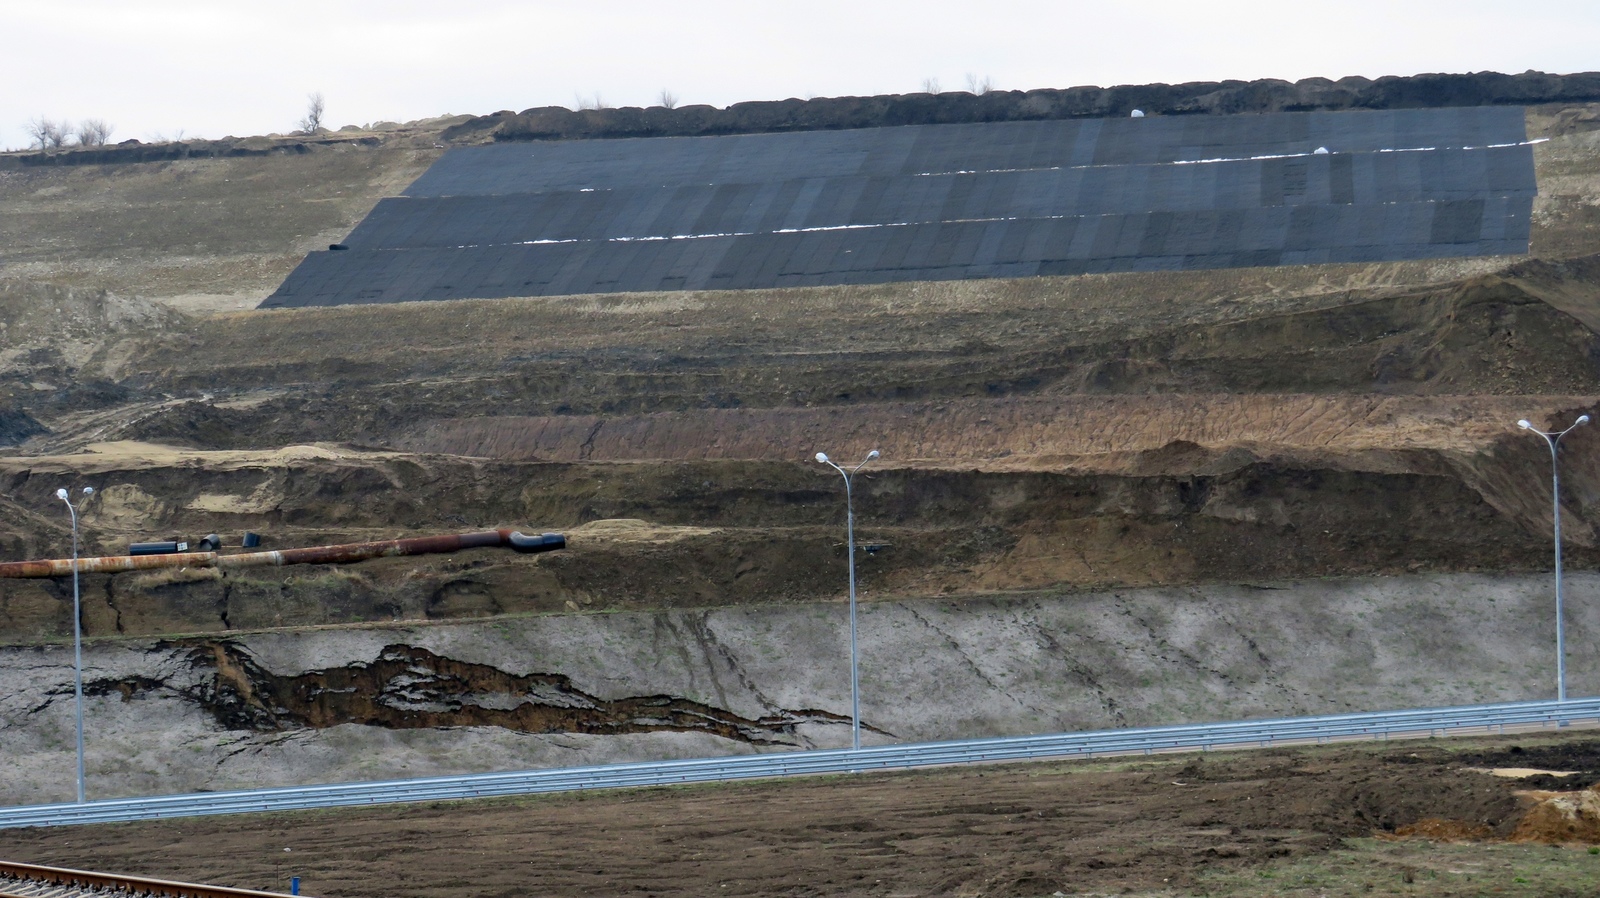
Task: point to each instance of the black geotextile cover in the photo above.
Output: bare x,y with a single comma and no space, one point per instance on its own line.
939,202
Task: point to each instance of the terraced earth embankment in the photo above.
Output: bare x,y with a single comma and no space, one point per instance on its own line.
1081,478
1039,443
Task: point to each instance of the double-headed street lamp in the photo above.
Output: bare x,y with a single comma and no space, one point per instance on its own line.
850,540
1553,438
77,629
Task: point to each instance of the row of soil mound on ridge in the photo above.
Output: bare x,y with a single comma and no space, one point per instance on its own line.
1205,97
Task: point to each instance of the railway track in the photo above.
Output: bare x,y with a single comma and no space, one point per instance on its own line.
30,881
1460,720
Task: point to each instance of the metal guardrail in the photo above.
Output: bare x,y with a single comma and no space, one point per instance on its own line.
1377,725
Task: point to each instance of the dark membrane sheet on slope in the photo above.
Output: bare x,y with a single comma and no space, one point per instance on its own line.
1153,241
918,149
939,202
797,204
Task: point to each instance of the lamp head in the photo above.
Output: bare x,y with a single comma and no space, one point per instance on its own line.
88,491
872,455
61,493
1582,419
1524,424
822,457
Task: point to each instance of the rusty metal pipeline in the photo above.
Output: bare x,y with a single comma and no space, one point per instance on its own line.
343,554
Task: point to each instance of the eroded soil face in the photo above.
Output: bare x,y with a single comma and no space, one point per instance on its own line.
1163,826
716,532
407,687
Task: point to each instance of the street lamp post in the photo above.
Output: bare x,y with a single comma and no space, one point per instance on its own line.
77,630
1553,438
850,541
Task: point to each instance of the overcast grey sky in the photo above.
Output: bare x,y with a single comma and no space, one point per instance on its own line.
209,69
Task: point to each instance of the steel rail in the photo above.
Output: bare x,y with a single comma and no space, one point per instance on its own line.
1488,719
32,878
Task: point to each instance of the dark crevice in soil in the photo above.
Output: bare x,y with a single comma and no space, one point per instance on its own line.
111,602
407,687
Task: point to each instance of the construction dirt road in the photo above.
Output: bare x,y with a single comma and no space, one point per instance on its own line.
1102,500
1409,818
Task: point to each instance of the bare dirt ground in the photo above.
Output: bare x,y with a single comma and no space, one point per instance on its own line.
1408,817
245,222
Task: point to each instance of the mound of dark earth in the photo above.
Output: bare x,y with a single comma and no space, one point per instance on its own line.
1203,97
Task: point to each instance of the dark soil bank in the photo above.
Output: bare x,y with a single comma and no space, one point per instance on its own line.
1215,97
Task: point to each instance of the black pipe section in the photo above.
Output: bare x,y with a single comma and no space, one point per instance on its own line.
168,547
547,542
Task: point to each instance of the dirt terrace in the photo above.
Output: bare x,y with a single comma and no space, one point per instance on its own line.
717,532
1076,433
